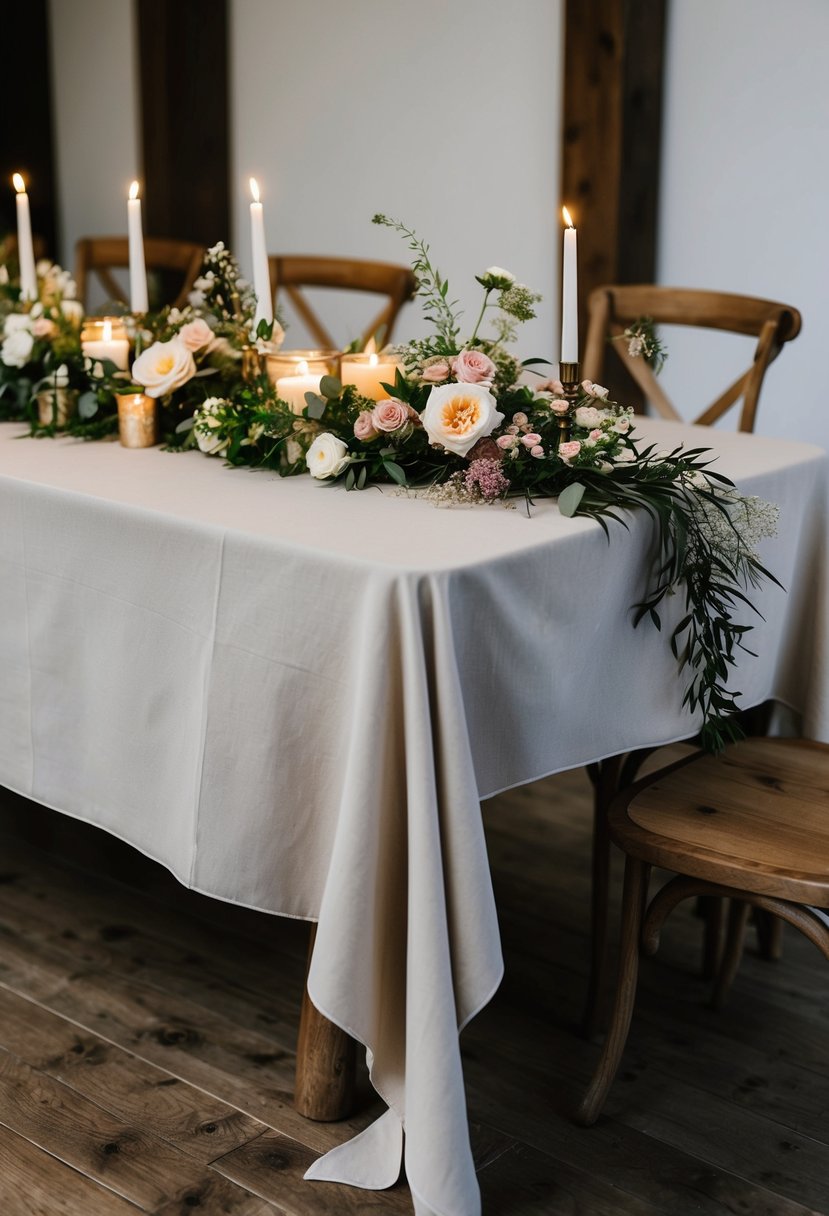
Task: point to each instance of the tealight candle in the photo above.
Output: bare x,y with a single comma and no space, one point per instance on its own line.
292,389
368,373
106,338
138,273
25,248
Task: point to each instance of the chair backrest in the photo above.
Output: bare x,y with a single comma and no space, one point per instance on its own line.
100,255
8,247
612,309
292,272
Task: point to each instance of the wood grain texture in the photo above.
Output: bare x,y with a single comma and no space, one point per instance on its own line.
33,1183
713,1115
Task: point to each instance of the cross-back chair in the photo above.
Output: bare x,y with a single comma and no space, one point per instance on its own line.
750,826
98,256
291,273
612,309
8,247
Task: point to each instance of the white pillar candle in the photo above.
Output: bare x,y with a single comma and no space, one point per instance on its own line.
261,276
100,341
139,302
292,389
569,295
25,248
368,373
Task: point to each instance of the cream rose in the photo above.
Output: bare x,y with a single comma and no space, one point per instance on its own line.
474,367
588,417
17,348
327,456
196,334
163,367
458,415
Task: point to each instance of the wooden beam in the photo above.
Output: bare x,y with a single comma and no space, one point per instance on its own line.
612,120
183,72
26,136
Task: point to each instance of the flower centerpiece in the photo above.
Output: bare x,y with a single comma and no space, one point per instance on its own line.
40,353
463,424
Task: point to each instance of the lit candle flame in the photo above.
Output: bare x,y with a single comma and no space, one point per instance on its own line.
133,191
302,368
107,330
254,189
568,221
19,184
370,347
372,359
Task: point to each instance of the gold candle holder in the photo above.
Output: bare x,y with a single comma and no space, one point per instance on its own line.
253,364
137,420
55,406
569,376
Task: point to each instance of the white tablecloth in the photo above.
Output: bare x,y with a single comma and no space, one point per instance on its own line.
295,697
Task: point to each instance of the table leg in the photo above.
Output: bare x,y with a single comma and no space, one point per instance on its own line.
325,1062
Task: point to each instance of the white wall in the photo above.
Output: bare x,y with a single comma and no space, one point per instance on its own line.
96,116
444,113
744,192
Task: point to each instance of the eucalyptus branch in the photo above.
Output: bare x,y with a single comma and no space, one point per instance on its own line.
432,287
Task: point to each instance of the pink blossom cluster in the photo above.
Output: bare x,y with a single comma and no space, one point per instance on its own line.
469,367
520,433
387,417
486,476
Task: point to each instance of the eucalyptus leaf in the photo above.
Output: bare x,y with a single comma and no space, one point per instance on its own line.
186,424
87,405
315,405
395,472
330,387
570,498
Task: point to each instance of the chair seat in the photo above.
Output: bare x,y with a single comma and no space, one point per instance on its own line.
756,819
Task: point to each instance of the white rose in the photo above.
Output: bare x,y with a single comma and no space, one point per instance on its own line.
458,415
624,456
211,443
15,322
163,367
17,348
73,311
588,416
327,456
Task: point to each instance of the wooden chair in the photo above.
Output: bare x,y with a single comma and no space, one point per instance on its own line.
611,310
8,248
100,255
290,273
751,826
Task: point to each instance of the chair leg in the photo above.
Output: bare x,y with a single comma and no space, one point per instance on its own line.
633,900
738,913
713,912
325,1063
605,778
769,935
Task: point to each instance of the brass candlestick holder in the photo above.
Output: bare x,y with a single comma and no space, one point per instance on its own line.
569,376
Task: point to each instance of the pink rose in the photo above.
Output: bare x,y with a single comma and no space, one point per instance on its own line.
43,327
531,440
436,372
364,428
568,451
551,386
597,434
390,415
520,419
537,451
196,334
559,405
474,367
506,441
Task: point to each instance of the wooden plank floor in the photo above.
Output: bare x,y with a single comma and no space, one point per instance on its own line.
147,1038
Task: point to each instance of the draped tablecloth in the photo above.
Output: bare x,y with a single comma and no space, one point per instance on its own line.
294,697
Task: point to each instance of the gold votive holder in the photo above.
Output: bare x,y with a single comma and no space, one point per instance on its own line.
106,338
137,420
55,406
369,372
302,363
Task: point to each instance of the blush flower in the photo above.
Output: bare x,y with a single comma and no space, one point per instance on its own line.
474,367
486,476
390,415
163,367
569,451
364,428
559,405
436,372
588,417
531,440
458,415
196,334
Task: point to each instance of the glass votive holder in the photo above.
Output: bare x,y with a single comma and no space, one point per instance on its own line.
137,420
106,338
369,372
302,363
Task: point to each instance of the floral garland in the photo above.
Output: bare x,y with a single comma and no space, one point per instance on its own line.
460,425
